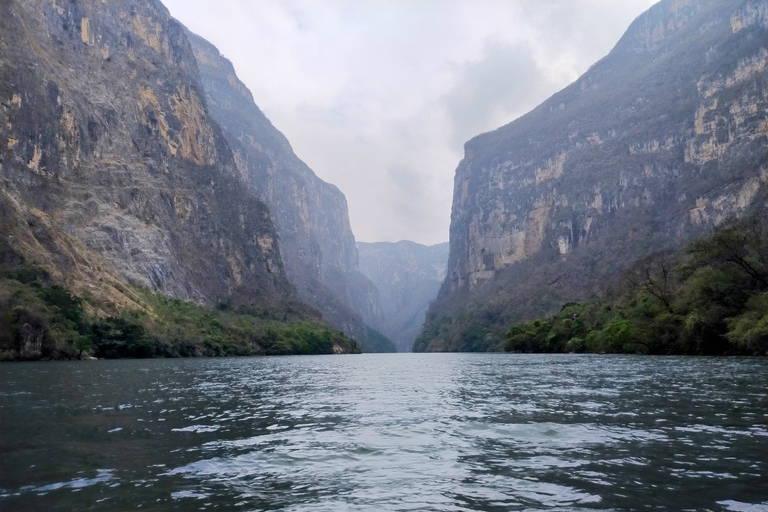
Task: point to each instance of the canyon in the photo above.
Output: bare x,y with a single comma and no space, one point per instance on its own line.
133,157
407,276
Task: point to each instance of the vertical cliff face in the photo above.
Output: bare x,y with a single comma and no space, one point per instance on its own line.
112,168
408,276
662,139
317,244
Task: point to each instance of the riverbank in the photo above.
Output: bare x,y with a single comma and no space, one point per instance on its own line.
42,320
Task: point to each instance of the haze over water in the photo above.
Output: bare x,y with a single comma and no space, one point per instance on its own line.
481,432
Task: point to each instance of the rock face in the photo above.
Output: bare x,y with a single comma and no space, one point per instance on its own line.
659,141
113,170
408,276
311,216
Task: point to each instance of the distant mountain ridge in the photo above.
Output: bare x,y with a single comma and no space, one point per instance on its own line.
655,144
408,276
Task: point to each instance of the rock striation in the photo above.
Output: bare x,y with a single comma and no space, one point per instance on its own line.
408,276
113,171
311,216
658,142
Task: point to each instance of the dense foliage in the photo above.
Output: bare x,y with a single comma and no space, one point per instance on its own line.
712,299
42,320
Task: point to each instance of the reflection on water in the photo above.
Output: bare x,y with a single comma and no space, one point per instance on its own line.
451,432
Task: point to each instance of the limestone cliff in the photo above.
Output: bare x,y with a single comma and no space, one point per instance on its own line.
408,276
659,141
113,170
311,216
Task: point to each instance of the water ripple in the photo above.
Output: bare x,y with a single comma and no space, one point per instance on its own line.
447,432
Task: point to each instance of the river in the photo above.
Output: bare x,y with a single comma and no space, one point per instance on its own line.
447,432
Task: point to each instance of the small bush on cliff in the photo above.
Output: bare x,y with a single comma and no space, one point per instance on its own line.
117,337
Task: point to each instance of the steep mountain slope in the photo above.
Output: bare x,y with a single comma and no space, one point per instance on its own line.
316,241
659,141
113,173
408,276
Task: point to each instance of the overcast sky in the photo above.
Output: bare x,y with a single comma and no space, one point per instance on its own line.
379,96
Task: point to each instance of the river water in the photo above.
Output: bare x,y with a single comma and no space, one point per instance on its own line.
454,432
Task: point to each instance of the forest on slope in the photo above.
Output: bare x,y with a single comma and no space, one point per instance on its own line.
41,319
710,299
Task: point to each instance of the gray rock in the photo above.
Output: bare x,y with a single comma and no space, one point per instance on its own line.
111,168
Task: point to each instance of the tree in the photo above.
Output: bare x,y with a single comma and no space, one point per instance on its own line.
653,274
742,245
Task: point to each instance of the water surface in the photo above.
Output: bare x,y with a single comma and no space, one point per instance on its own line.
454,432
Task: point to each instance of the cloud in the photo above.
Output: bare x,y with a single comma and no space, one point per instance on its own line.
378,96
503,84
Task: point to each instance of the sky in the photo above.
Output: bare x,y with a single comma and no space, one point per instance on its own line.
378,97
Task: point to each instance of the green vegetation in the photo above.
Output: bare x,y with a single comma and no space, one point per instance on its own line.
42,320
712,299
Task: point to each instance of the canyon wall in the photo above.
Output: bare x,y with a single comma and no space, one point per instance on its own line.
655,144
311,216
113,172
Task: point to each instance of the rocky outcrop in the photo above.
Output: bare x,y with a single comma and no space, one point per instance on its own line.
112,169
658,142
408,276
311,216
